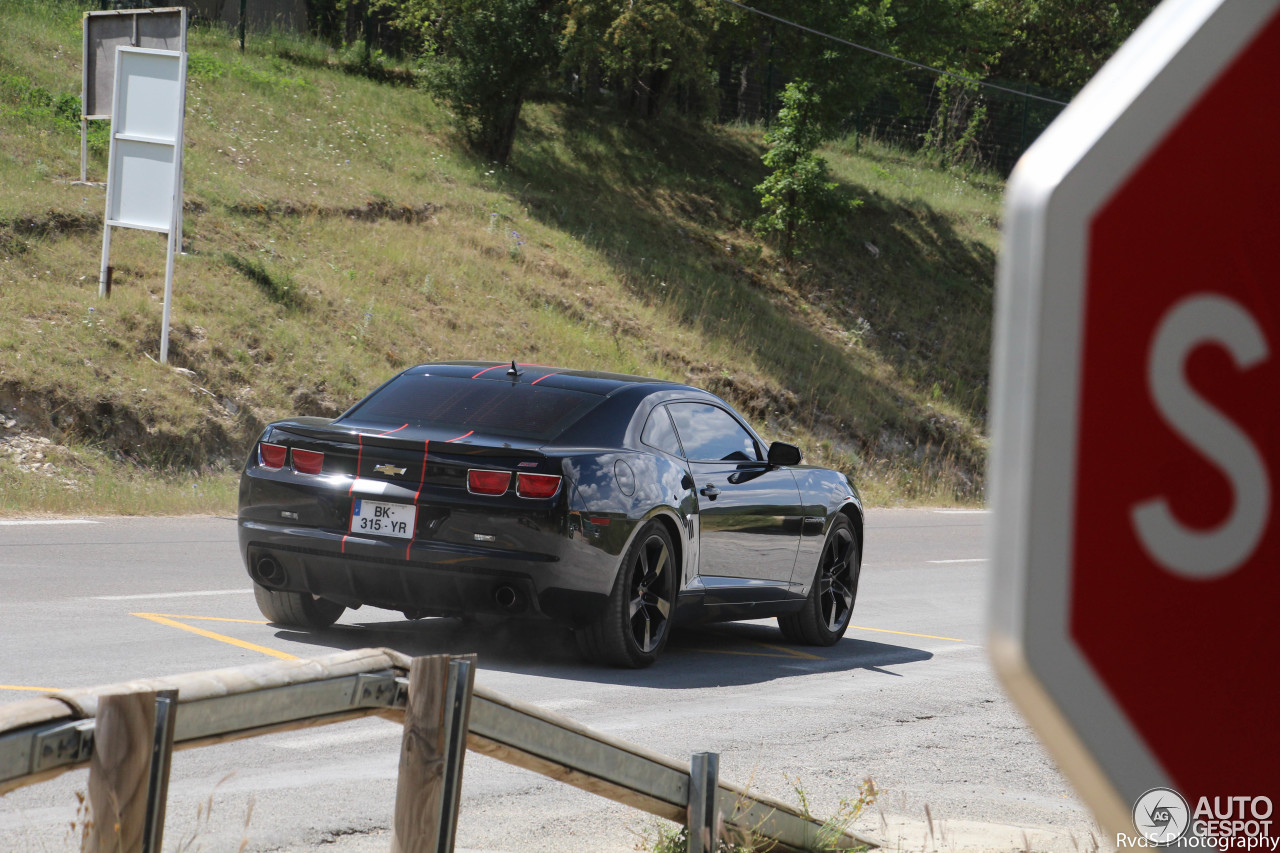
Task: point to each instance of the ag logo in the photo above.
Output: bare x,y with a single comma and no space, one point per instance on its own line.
1161,815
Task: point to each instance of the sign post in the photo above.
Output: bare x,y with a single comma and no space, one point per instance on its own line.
1136,430
144,172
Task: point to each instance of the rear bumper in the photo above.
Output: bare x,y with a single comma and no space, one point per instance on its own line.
427,578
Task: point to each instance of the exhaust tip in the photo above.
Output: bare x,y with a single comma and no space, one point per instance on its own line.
267,572
508,599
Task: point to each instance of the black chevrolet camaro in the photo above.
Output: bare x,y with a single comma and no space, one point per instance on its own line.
617,505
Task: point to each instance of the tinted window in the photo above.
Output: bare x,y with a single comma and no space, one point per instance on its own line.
659,433
499,408
711,433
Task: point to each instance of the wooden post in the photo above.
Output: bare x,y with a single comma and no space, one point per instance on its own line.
419,788
119,772
704,812
431,753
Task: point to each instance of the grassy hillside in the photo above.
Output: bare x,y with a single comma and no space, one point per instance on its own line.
336,231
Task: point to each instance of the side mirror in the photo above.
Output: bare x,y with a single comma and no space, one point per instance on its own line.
782,454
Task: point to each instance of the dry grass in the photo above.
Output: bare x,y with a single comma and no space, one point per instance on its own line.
336,232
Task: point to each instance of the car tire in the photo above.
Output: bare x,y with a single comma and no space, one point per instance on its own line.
296,609
636,621
827,609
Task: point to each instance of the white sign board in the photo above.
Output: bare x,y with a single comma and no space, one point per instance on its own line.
144,171
146,137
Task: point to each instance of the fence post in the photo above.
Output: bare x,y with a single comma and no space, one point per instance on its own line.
704,809
1026,109
119,772
431,754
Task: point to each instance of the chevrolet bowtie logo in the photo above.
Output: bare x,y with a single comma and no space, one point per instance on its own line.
389,470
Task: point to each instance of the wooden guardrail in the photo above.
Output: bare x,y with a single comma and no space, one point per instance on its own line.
126,732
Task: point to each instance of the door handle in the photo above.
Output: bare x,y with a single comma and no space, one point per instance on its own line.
709,491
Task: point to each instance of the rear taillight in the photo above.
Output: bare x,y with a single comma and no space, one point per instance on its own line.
271,455
537,485
488,482
307,461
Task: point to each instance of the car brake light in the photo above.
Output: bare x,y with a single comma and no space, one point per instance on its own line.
271,455
488,482
537,485
307,461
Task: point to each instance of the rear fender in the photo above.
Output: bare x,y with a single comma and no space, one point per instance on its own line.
607,518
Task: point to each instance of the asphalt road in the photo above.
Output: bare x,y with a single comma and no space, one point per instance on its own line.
907,699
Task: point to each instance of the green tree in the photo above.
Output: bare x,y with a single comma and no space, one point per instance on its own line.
797,198
484,58
1060,44
757,56
763,54
646,48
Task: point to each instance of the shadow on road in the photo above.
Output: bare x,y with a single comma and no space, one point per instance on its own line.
737,653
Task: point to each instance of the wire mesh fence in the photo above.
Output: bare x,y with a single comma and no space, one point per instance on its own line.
959,122
988,124
294,15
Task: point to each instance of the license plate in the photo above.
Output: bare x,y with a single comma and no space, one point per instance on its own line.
383,519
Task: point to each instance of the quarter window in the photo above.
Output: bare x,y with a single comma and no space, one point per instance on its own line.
659,432
709,433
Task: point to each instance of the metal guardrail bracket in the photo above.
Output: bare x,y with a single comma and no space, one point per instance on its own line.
69,743
161,762
457,713
380,690
705,820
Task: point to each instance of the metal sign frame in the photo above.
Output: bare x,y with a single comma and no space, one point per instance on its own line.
151,28
145,138
1102,136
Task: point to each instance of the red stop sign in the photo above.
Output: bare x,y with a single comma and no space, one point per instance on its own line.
1176,582
1135,470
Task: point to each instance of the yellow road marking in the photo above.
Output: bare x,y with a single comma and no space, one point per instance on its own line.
784,652
32,689
795,653
162,619
744,654
907,634
205,618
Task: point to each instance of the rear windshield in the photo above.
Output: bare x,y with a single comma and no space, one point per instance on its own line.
484,405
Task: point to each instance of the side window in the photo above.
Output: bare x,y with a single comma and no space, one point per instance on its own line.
659,433
710,434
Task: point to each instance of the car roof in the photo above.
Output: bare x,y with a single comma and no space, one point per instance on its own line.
585,381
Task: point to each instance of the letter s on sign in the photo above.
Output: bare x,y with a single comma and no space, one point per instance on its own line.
1204,555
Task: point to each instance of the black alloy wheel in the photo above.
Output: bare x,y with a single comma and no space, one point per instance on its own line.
826,612
637,619
650,605
296,609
